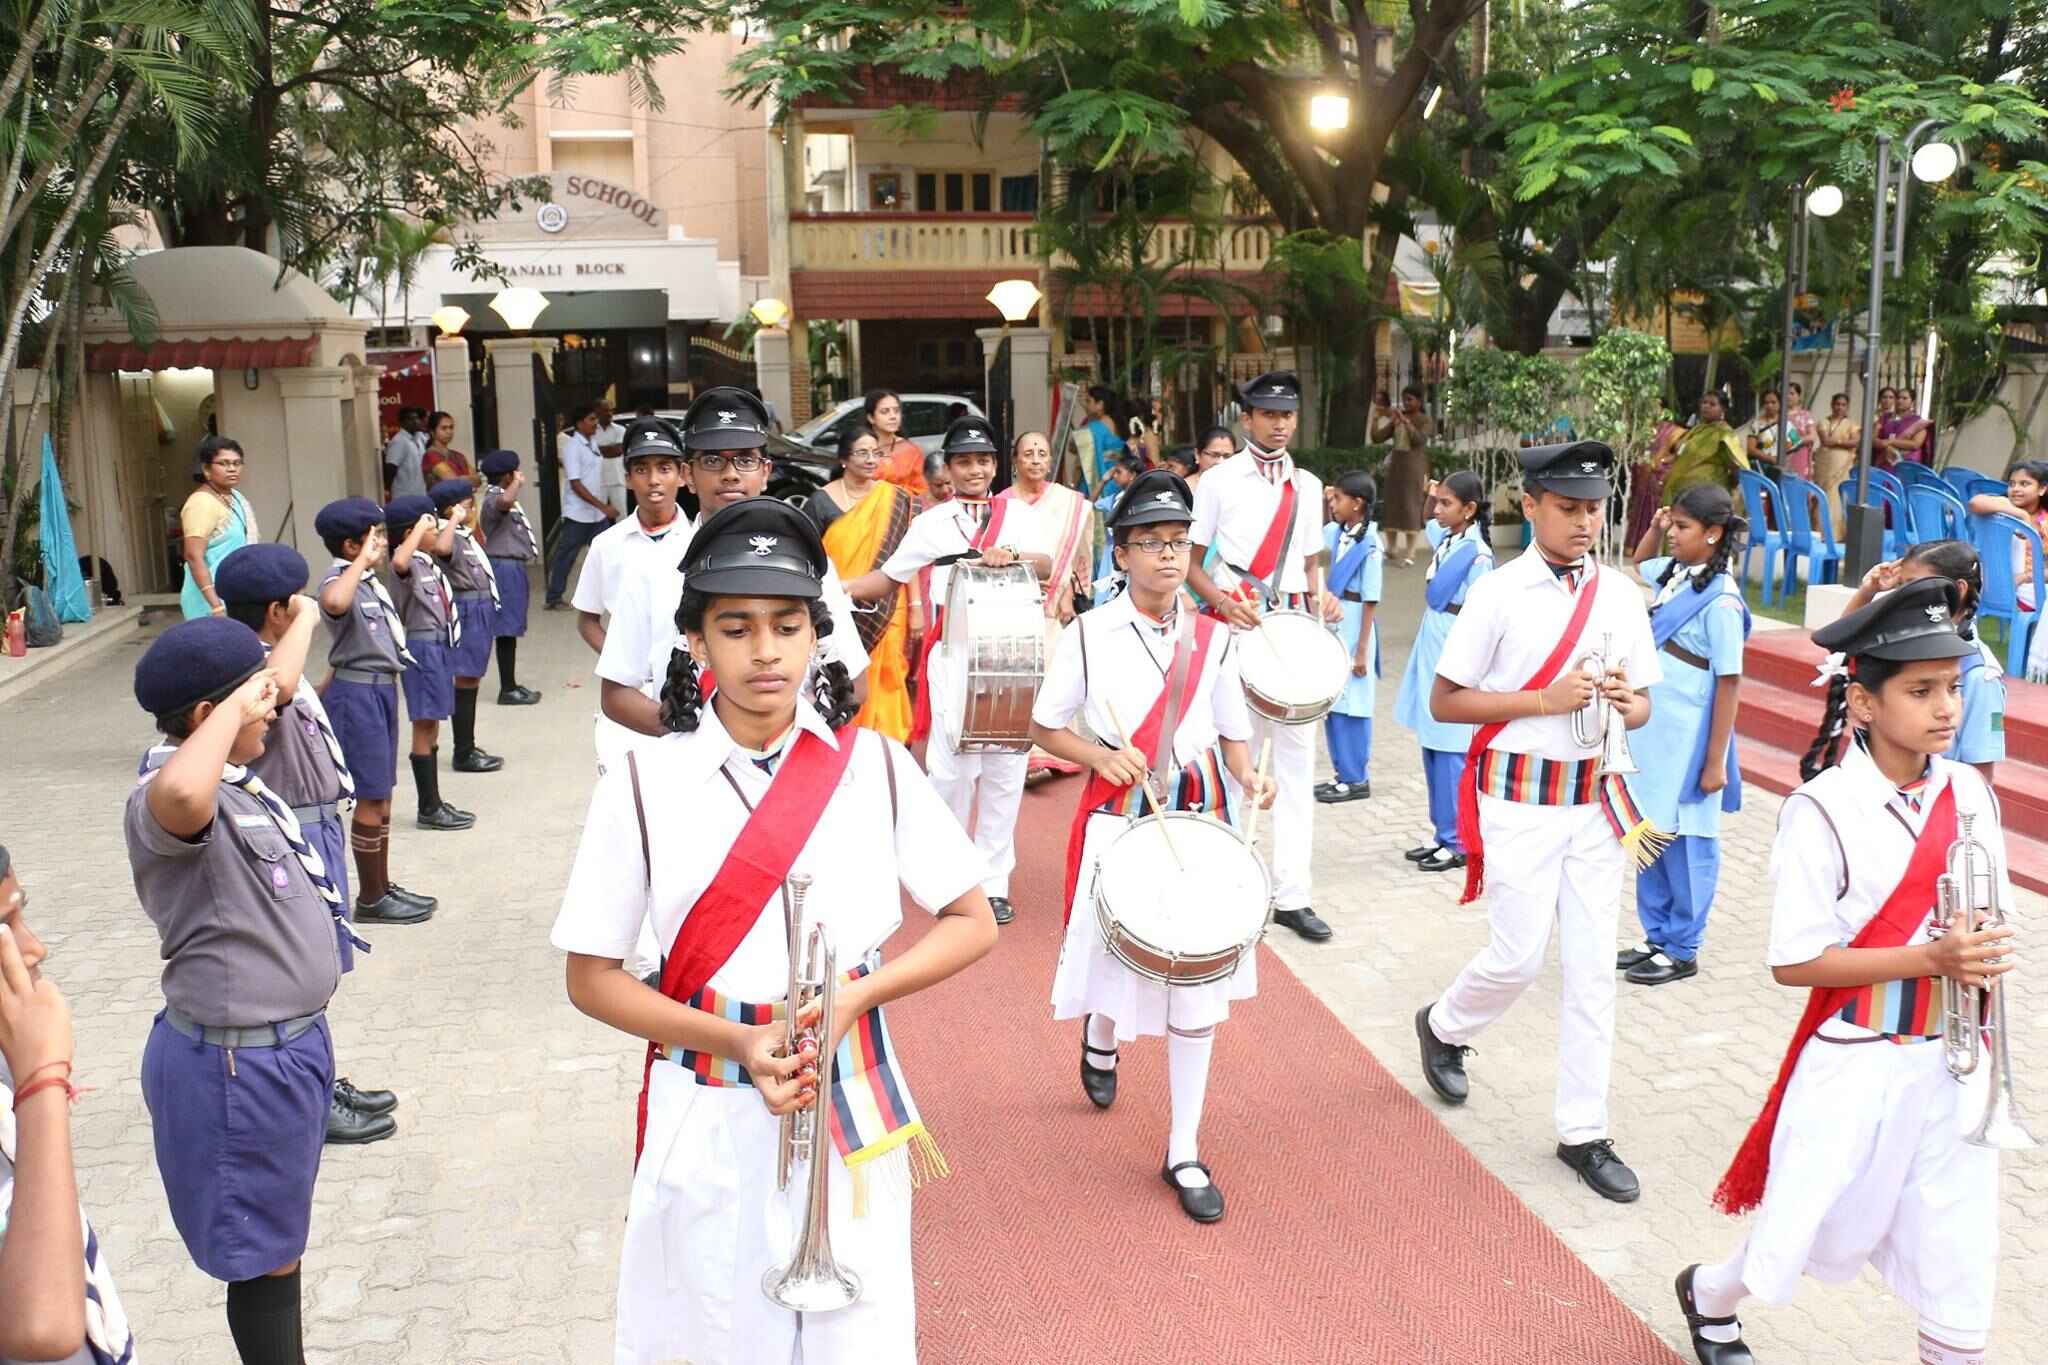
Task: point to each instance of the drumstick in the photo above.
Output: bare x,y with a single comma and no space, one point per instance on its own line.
1251,823
1165,832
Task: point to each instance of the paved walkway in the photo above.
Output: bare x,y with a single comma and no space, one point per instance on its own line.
487,1229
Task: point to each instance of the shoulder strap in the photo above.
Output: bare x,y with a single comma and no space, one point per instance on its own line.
889,765
1080,629
1841,851
640,814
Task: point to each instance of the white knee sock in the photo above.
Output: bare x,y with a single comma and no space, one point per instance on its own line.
1187,1077
1102,1035
1944,1345
1716,1290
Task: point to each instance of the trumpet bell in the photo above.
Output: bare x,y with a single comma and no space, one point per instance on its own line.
1615,758
2001,1129
808,1286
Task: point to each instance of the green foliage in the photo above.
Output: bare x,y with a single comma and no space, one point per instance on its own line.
1620,388
1501,390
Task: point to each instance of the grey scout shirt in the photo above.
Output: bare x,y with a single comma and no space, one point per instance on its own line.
421,605
502,539
466,567
295,762
361,638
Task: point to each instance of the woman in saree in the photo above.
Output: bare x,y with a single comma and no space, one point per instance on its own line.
1070,521
902,458
1646,479
214,521
1710,453
861,518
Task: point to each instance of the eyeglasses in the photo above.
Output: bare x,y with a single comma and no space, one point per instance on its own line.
1153,546
714,463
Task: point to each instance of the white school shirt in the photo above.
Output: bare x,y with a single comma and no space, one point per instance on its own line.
614,471
949,528
1511,621
1234,507
581,463
857,861
624,550
1127,661
1850,827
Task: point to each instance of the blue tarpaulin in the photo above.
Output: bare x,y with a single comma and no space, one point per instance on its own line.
65,584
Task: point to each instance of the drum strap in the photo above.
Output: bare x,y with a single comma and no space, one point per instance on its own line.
1269,561
1160,758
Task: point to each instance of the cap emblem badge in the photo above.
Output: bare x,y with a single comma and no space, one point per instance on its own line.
1167,496
1589,467
1937,612
763,545
727,418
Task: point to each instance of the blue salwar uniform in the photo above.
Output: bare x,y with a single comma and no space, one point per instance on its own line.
1980,735
1458,562
1674,894
1357,570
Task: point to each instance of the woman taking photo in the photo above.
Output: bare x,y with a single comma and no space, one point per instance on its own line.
902,458
442,461
862,518
214,521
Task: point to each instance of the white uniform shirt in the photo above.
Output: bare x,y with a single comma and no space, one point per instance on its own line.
1234,507
856,859
949,528
1128,658
624,550
1511,621
581,463
614,475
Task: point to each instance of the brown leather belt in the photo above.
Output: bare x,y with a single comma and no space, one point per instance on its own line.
1686,656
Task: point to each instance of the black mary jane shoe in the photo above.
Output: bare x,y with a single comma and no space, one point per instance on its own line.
1660,969
1001,908
389,909
477,761
411,897
1331,793
364,1101
1421,852
1709,1352
1443,860
1633,957
517,696
1305,922
1100,1084
348,1127
1203,1203
1597,1165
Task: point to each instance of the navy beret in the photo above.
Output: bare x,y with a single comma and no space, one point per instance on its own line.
499,463
401,513
264,572
448,492
347,519
203,659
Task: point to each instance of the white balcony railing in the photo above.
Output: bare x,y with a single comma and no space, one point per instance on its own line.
924,241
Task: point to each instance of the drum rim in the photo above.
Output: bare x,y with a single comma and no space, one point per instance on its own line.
1113,931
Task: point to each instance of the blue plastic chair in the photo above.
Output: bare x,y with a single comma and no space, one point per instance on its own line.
1958,477
1979,483
1995,535
1938,514
1758,495
1898,514
1912,474
1809,531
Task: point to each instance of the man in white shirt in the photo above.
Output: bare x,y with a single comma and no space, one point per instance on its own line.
610,440
999,531
585,513
1267,564
402,472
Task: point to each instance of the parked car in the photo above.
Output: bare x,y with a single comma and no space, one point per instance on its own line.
799,469
924,421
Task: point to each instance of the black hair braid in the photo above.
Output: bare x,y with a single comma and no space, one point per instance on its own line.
1734,534
1826,750
1955,560
1466,486
833,692
1712,507
682,703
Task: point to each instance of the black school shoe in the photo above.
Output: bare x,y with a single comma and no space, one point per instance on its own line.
410,897
348,1127
1600,1168
1305,922
477,761
445,817
1421,852
1002,909
1443,860
1633,957
1659,969
389,909
1330,793
364,1101
1443,1064
1100,1084
1709,1352
1204,1203
517,696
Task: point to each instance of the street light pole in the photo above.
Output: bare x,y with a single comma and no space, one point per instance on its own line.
1824,202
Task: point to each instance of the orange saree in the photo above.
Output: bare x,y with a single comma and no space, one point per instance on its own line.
858,541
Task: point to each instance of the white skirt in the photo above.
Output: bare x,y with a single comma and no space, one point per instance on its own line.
706,1222
1092,980
1868,1164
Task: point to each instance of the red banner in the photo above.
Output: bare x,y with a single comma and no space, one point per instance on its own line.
408,382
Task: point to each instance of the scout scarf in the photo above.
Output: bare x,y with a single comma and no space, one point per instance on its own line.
1190,654
107,1338
529,547
1742,1187
479,563
1641,840
987,536
307,701
392,621
755,870
435,581
1670,615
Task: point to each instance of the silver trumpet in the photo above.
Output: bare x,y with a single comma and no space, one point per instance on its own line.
812,1282
1597,722
1967,899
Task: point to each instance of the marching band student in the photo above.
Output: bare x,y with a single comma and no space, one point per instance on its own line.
1263,515
1534,811
366,653
1689,775
1352,542
1980,733
1141,655
263,587
773,788
1462,554
998,532
511,544
469,577
426,608
238,1072
1859,1154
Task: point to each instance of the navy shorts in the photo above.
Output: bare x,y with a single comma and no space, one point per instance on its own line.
429,680
513,590
330,841
365,720
472,658
239,1152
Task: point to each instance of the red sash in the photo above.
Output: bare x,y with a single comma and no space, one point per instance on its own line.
1468,784
921,714
753,871
1742,1187
1147,739
1266,559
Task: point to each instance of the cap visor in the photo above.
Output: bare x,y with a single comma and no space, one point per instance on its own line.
1155,516
727,440
1935,644
751,582
1270,404
971,448
1572,488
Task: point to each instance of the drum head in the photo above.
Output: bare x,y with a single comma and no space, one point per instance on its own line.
1294,659
1208,900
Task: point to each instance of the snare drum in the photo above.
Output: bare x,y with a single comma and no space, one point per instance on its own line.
994,644
1187,922
1294,667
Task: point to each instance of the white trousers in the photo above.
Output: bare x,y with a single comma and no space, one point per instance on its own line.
997,782
1545,866
1292,843
706,1222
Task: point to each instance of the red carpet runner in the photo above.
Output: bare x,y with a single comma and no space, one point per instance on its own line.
1357,1228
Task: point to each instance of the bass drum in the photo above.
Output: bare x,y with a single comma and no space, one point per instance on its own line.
1184,915
1294,667
994,644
